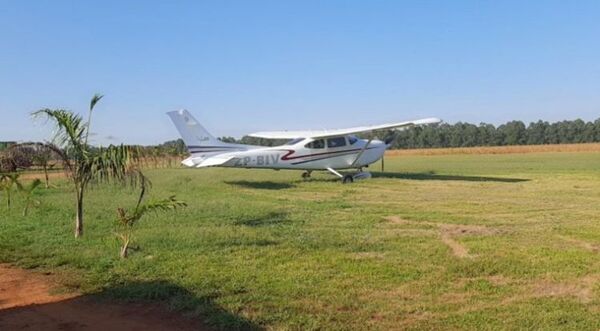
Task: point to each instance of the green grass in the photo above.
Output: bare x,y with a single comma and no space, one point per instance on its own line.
263,249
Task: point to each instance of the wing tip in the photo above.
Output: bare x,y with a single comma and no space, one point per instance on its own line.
429,120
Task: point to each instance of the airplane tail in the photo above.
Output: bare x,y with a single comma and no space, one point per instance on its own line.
195,136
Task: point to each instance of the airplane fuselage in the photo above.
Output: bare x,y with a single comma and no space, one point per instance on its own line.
303,155
330,150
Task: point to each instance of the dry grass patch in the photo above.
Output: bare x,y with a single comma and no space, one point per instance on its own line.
398,220
367,255
40,175
581,289
581,243
448,232
496,280
457,248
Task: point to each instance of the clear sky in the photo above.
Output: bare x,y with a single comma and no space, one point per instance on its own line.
243,66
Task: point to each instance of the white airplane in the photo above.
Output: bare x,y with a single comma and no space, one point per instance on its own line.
330,150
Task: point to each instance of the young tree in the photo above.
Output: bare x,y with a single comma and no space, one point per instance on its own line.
84,164
42,158
7,181
126,220
28,192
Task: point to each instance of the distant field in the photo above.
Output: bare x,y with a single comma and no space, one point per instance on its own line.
491,241
588,147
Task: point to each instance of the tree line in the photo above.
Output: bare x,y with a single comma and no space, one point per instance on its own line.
470,135
34,155
167,154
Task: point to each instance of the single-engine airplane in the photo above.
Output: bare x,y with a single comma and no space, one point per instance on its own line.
330,150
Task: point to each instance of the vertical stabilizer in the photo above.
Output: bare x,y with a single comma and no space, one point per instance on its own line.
199,142
193,134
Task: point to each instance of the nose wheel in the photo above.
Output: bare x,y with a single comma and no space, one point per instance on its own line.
350,178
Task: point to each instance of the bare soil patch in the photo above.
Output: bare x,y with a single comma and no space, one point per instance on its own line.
40,175
27,303
21,288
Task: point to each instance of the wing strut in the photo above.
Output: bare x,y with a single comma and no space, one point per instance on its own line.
361,152
335,172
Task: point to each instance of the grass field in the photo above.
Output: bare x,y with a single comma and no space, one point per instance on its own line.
508,241
513,149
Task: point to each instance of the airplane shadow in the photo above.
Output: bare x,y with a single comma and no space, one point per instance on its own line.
264,185
139,305
273,218
432,176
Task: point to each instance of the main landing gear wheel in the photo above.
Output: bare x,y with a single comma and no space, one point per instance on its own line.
347,179
306,175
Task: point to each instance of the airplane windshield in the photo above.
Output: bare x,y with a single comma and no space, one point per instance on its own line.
294,141
352,140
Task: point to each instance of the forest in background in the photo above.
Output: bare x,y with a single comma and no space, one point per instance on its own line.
23,156
470,135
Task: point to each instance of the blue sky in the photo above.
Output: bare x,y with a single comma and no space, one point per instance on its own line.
243,66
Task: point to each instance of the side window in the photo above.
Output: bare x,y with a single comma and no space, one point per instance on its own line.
352,140
336,142
316,144
294,141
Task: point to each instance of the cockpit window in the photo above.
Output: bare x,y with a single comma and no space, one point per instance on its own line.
352,140
316,144
294,141
336,142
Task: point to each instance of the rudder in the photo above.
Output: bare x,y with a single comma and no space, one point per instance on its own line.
192,133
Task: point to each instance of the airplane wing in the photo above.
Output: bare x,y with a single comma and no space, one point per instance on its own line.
339,132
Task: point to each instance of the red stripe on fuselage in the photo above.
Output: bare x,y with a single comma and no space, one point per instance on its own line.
288,156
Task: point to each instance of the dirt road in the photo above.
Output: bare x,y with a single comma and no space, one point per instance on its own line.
27,302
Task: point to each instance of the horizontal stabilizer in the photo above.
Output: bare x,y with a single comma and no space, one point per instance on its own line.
206,161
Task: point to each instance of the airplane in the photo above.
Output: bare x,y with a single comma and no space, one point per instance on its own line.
330,150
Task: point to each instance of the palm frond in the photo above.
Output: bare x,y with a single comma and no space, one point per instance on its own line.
10,178
70,129
169,203
97,97
113,164
31,187
6,183
128,220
